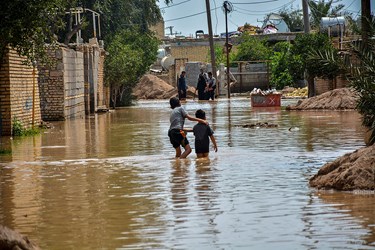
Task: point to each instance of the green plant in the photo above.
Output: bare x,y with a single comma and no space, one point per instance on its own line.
286,68
252,48
19,129
5,151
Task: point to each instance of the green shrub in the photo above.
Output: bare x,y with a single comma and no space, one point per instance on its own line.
19,130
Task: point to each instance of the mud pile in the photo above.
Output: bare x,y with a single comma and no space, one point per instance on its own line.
337,99
352,171
152,87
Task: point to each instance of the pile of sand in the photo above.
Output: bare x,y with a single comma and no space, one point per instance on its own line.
337,99
353,171
152,87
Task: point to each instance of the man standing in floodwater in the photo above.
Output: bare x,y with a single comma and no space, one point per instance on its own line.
211,86
181,86
176,133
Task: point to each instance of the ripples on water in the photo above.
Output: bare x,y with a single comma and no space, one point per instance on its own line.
110,182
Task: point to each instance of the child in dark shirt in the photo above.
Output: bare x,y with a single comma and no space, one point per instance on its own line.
176,131
203,133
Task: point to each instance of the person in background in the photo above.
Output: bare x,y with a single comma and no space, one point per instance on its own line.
176,133
203,133
211,86
181,86
201,85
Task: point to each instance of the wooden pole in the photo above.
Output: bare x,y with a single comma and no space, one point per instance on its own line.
227,45
211,40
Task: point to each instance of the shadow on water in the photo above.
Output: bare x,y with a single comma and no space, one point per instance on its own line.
111,182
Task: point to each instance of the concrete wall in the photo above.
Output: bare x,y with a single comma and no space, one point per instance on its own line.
250,76
16,93
62,86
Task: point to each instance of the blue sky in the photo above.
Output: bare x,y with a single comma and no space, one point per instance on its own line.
187,16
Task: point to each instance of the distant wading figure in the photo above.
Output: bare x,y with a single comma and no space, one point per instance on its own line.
201,85
181,86
203,133
211,86
177,135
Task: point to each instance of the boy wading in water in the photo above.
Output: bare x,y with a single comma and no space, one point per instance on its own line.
203,133
176,133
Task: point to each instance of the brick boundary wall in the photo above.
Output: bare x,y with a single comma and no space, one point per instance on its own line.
16,93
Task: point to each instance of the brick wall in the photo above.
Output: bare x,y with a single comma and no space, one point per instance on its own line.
16,93
102,98
194,52
323,85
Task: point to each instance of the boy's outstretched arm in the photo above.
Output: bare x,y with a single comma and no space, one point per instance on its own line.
192,118
213,142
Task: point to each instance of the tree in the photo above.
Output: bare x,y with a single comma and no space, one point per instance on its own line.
131,52
286,68
324,9
303,46
27,25
252,48
293,18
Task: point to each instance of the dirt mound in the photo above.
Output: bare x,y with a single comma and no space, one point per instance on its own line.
353,171
152,87
337,99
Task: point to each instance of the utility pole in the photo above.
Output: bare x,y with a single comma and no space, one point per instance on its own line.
170,29
211,39
226,6
306,23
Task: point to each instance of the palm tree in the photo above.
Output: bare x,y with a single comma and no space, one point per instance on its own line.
321,9
361,72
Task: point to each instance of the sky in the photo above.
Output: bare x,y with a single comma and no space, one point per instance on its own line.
188,16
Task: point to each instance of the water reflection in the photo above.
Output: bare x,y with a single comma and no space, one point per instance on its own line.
111,182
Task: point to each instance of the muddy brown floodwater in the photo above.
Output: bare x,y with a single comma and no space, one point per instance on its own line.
111,182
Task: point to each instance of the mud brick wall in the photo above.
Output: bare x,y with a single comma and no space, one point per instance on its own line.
62,86
194,52
102,98
16,93
323,85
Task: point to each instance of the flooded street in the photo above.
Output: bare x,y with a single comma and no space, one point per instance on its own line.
111,182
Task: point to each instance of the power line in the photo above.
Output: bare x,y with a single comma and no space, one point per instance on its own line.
267,1
267,11
196,14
